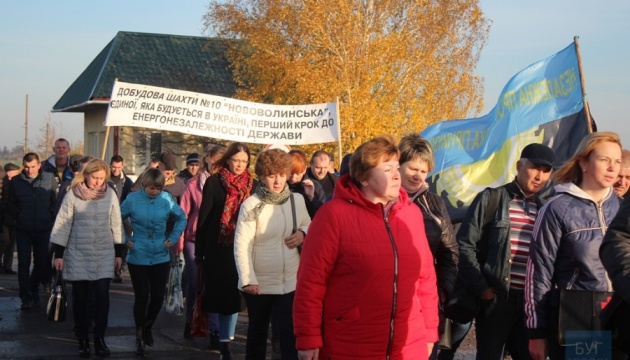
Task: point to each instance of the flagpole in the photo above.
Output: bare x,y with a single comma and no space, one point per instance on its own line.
107,132
338,130
587,111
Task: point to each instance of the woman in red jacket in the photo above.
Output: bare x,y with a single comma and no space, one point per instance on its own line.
366,286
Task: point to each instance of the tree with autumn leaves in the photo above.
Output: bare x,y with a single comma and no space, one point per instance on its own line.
396,66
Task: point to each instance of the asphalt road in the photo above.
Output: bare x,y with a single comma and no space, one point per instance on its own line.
26,334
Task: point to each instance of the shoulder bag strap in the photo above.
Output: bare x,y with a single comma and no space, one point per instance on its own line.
293,215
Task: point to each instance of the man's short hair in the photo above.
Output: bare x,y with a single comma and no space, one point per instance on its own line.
319,153
30,157
62,139
117,159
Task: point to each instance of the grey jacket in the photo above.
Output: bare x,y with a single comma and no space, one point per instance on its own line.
88,229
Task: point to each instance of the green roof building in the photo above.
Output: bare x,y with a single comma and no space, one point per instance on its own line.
191,63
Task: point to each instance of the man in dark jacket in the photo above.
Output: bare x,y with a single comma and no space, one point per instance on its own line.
58,165
192,167
31,204
615,255
318,171
493,256
8,234
122,184
118,180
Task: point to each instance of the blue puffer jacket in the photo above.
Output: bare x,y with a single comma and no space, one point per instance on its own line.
148,219
564,253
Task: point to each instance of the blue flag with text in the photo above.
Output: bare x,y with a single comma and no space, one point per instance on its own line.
542,104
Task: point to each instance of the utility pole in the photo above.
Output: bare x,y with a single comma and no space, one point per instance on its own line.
47,138
25,150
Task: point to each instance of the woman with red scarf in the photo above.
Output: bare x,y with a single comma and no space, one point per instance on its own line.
222,196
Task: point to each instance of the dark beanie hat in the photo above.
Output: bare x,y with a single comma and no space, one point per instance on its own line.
169,160
192,158
10,166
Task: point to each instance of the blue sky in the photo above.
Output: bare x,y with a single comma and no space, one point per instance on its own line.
45,45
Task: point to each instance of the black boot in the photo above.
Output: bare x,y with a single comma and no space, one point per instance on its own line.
100,348
148,335
139,343
187,334
215,343
226,352
84,348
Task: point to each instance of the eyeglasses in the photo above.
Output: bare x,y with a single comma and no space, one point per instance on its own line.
235,161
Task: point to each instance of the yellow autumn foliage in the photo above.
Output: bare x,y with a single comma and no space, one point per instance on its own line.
396,66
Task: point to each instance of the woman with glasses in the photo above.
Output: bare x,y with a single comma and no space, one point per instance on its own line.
223,194
190,203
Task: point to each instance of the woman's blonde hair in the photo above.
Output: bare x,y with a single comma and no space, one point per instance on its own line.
90,167
571,170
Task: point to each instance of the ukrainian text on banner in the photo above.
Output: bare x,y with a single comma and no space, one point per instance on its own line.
542,103
219,117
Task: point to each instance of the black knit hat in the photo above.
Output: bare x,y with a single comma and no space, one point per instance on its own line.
192,158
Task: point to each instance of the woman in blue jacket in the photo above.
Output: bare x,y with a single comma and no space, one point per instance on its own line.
569,230
148,250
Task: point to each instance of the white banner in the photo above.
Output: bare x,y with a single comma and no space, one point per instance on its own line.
219,117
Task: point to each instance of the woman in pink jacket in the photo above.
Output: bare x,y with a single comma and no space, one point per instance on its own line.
190,203
366,286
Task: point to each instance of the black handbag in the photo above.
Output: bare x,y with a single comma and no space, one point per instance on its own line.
463,306
446,335
580,310
58,302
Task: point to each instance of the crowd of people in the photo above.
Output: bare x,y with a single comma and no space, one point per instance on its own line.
360,263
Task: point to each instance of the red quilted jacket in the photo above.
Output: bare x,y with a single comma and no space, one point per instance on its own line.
366,285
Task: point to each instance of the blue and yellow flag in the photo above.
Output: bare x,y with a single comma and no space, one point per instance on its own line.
540,104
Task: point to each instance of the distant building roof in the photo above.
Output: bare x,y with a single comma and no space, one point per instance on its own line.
190,63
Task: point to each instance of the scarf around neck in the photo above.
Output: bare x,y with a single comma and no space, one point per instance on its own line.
237,188
85,193
268,197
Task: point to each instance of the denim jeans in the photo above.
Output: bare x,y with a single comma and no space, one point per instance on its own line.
227,326
190,288
35,244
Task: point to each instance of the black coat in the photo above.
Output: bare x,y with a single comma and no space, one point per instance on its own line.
615,255
219,268
437,225
32,204
319,197
484,251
